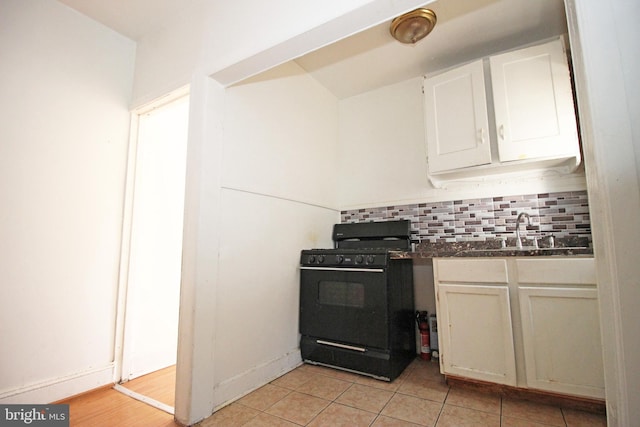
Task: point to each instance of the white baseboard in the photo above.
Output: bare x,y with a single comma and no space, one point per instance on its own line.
59,388
243,384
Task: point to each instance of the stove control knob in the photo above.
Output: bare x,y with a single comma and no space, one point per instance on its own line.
312,259
359,259
370,259
320,259
339,259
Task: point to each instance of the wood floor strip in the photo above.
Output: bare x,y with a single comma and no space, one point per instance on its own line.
159,385
145,399
107,407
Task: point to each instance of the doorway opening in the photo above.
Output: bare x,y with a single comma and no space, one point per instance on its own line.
146,348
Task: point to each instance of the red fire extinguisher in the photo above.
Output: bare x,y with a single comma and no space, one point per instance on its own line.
422,318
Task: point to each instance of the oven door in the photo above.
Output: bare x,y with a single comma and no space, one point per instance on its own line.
345,305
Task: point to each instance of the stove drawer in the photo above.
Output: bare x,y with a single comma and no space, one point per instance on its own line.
375,363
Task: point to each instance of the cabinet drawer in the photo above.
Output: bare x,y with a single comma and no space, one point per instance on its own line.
567,271
471,270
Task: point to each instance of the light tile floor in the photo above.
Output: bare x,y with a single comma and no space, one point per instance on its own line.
318,396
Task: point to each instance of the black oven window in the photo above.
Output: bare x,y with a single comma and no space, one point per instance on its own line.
344,294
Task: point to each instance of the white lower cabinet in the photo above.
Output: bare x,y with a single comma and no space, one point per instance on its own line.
526,322
478,341
561,336
561,326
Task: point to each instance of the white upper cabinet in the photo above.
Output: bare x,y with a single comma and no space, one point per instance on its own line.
527,91
533,103
457,126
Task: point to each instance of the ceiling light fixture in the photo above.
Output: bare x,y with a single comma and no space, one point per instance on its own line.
413,26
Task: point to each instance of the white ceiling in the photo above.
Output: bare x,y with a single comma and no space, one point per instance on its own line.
131,18
466,30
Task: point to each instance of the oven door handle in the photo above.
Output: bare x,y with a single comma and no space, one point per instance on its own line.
358,270
345,346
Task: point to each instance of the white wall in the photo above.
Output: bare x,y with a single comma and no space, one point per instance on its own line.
281,136
65,84
258,289
382,151
200,253
383,159
246,220
279,150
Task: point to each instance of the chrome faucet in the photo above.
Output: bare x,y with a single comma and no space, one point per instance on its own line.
518,240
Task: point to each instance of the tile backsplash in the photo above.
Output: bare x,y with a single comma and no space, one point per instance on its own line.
561,214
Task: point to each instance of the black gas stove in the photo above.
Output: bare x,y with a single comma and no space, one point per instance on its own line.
356,301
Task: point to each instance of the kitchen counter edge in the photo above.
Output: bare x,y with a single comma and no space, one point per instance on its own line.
567,247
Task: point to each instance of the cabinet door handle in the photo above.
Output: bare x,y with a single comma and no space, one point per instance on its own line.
501,131
481,136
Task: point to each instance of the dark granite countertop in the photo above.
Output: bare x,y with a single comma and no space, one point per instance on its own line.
567,246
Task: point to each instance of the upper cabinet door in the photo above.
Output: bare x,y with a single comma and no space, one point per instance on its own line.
533,102
456,119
